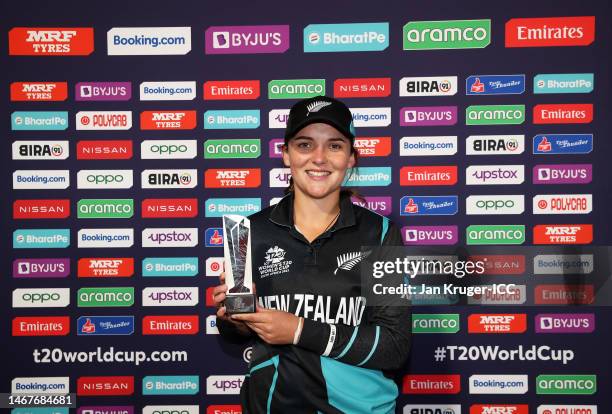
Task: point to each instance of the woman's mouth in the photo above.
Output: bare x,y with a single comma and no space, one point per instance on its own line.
317,173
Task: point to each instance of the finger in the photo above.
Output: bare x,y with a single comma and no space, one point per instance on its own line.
249,317
219,298
221,312
222,278
219,289
254,290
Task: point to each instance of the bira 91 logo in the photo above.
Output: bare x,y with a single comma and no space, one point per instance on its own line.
106,267
550,31
428,175
40,150
51,41
563,234
563,144
168,120
362,87
500,409
231,90
432,409
103,91
428,86
562,173
562,204
564,294
104,150
41,209
565,323
169,207
41,326
171,325
373,146
501,264
39,91
436,235
103,120
497,323
246,39
116,385
232,178
29,268
169,178
428,115
563,114
495,145
431,384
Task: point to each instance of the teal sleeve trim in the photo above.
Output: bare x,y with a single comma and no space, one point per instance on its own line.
373,347
385,227
350,343
271,361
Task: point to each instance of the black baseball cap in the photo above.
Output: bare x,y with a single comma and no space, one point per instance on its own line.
320,109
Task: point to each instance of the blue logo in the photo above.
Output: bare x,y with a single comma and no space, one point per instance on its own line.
170,385
214,237
563,83
428,205
169,266
41,238
346,37
232,119
39,121
495,85
563,144
105,325
217,207
368,176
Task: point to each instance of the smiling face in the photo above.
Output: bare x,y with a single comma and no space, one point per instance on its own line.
318,156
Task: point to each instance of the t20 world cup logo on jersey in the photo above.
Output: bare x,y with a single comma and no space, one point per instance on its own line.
275,263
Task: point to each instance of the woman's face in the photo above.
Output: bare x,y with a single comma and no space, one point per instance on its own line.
318,156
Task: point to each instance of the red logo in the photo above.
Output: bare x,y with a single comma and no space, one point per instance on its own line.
169,207
240,89
431,384
429,175
209,297
373,146
104,150
39,91
563,114
544,145
105,385
168,120
51,41
498,323
41,326
232,178
477,86
564,294
106,267
550,31
88,327
499,409
563,234
41,209
170,325
411,207
362,88
501,264
224,409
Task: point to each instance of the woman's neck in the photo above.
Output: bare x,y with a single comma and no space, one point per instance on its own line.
314,216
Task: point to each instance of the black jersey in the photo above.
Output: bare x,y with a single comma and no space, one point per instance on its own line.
347,351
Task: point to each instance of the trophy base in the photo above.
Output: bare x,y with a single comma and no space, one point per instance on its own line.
243,303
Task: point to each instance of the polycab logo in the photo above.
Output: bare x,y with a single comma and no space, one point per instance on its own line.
214,237
41,298
428,205
563,234
41,209
51,41
428,146
169,208
168,91
495,115
563,264
563,144
103,120
428,86
232,119
501,264
371,117
497,323
105,238
516,295
562,173
231,90
428,175
564,294
103,91
565,323
39,91
567,408
122,41
346,37
295,88
550,31
170,296
105,385
563,83
495,144
380,205
495,85
495,174
362,87
428,115
494,204
39,120
105,325
41,326
224,384
170,266
499,409
214,266
246,39
435,235
498,384
495,234
168,120
563,114
170,325
168,149
373,146
170,237
40,150
431,384
447,34
169,178
106,267
562,204
104,150
232,178
104,179
29,268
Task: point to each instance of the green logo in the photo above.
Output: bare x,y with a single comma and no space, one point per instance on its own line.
435,323
495,234
566,384
495,114
118,208
98,297
447,34
295,88
232,148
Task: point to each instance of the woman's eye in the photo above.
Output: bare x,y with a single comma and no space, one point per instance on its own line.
303,145
336,147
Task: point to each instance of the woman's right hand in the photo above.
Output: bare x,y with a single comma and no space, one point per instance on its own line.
219,293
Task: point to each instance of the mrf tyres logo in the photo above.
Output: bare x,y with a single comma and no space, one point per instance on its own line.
51,41
275,263
447,34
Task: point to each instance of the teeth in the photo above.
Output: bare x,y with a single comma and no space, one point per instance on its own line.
318,173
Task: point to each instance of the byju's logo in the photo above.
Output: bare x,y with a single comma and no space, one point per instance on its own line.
105,325
563,83
447,34
169,266
428,205
562,173
103,91
380,205
428,115
232,119
247,39
346,37
123,41
495,115
437,235
495,85
563,144
26,268
565,323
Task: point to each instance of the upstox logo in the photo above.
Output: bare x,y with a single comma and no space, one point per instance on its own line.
295,88
495,115
93,208
232,148
171,385
39,120
495,234
447,34
105,297
435,323
346,37
566,384
232,119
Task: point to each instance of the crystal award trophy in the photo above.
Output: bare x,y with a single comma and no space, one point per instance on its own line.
238,273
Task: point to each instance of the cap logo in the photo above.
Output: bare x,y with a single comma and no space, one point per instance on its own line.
316,106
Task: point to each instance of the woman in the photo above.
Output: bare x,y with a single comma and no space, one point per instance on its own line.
318,347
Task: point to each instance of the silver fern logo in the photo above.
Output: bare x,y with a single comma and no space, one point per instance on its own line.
349,260
316,106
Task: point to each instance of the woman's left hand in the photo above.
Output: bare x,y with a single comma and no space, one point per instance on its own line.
272,326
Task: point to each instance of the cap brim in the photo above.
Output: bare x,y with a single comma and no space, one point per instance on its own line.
316,119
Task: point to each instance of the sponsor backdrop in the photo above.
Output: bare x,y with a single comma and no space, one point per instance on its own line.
129,129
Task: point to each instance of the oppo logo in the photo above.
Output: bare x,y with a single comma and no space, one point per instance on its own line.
104,179
184,149
43,297
495,204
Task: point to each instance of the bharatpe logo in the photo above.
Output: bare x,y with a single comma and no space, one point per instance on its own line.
40,385
435,323
495,234
368,176
346,37
295,88
106,238
428,146
169,178
434,235
498,384
217,207
92,208
563,83
170,266
275,263
495,144
126,41
170,296
171,385
41,179
562,264
168,91
232,119
232,148
562,173
41,238
170,237
246,39
39,121
41,298
447,34
428,115
565,323
168,149
429,205
105,325
563,144
224,384
428,86
566,384
36,268
494,204
40,150
495,115
494,174
105,297
495,85
103,91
